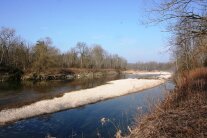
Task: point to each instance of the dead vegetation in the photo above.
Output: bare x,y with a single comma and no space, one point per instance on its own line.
182,114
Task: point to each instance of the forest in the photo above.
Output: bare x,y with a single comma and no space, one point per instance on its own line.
16,55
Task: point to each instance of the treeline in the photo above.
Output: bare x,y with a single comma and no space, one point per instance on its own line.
187,21
150,66
16,53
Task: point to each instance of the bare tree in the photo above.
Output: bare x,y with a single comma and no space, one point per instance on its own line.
98,56
187,20
71,58
7,39
81,48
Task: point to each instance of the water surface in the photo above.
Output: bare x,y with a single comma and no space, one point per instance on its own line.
16,94
79,122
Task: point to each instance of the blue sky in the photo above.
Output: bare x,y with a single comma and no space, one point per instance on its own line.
114,24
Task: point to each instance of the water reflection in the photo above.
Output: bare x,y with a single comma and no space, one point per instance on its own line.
15,94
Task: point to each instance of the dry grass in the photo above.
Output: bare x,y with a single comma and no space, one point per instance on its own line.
193,79
182,114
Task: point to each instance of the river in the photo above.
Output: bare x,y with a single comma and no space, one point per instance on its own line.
84,121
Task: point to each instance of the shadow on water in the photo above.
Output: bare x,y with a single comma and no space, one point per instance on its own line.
85,121
16,94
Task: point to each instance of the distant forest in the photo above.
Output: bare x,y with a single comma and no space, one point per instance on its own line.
150,66
16,53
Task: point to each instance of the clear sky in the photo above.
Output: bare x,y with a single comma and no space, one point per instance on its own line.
114,24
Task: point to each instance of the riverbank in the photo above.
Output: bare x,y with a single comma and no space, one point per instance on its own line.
6,74
182,114
69,74
79,98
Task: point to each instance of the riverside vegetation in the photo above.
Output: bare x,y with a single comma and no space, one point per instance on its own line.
183,113
42,61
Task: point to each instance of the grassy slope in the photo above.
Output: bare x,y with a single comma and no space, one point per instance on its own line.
182,114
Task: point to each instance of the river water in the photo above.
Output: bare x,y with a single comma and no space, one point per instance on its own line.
79,122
